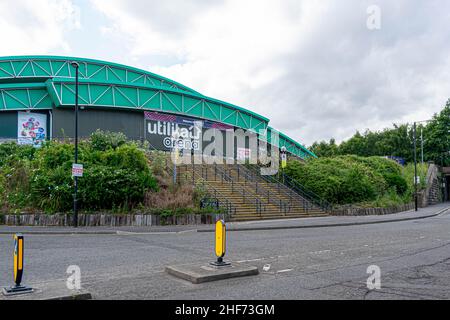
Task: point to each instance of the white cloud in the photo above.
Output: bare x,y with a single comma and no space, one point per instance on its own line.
36,26
312,67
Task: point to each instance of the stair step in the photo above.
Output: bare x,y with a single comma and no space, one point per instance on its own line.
257,189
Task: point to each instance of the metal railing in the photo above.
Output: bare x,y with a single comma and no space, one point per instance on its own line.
262,189
247,196
221,200
289,187
304,192
282,190
309,199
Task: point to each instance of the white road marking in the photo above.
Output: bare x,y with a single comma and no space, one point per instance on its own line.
285,270
320,252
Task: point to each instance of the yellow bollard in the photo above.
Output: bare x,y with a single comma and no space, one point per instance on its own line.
221,241
18,265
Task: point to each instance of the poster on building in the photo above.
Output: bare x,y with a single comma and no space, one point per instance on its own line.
168,131
31,128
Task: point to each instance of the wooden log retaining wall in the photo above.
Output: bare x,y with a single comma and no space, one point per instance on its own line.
107,220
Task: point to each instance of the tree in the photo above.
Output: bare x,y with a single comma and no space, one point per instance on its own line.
324,149
397,141
436,134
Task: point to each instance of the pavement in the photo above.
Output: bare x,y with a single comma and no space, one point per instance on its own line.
327,262
316,222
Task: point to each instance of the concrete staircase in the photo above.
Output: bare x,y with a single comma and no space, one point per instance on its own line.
432,193
250,195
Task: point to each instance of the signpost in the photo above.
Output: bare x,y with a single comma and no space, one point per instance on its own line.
77,170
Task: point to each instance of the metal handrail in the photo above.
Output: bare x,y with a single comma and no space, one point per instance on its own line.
259,206
222,203
316,199
284,206
309,199
281,188
231,209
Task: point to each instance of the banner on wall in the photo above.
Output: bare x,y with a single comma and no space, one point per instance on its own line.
31,128
160,130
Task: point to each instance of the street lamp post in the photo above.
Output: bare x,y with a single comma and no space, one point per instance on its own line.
415,158
415,170
421,143
75,200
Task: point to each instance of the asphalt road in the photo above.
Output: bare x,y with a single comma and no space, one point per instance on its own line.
314,263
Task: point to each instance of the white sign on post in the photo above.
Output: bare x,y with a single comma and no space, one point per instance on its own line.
77,170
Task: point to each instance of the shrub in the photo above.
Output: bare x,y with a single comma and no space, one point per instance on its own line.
350,179
52,190
11,151
170,198
104,140
116,175
408,175
15,184
125,157
158,160
55,154
396,181
104,187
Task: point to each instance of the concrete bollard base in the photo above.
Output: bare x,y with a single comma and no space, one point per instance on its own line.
199,273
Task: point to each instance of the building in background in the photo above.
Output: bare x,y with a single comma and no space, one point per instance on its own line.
37,96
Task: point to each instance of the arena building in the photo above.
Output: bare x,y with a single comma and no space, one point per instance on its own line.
37,98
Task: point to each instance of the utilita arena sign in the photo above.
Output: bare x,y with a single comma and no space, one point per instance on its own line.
166,132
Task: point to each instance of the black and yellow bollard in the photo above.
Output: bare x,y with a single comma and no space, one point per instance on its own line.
18,269
221,242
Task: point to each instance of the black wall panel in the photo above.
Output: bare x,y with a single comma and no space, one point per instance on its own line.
8,125
131,123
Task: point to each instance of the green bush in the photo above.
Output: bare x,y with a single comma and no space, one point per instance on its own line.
158,161
52,190
104,140
396,181
351,179
14,184
104,187
116,175
408,175
11,151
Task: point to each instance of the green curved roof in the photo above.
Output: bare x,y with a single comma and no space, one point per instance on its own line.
41,82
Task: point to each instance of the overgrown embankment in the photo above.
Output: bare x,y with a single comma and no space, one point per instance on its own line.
119,177
359,181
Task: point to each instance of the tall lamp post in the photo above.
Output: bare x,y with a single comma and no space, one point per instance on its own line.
415,160
75,200
415,170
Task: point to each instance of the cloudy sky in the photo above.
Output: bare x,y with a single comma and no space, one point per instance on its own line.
317,69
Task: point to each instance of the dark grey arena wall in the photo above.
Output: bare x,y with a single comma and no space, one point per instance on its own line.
131,123
8,123
61,124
